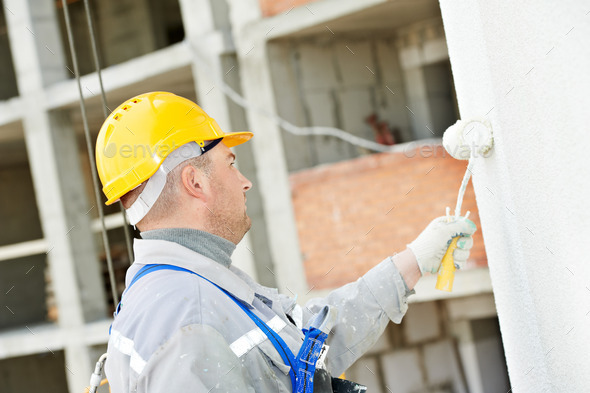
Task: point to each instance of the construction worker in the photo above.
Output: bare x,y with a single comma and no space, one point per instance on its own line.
189,320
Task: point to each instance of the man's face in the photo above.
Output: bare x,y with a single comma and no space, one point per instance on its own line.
228,195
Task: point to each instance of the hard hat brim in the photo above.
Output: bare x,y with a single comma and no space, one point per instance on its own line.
232,139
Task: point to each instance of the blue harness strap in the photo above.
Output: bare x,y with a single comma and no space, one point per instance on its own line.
307,358
302,368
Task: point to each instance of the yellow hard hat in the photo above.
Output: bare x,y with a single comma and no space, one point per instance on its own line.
137,136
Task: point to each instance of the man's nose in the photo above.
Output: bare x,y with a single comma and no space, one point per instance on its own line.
246,183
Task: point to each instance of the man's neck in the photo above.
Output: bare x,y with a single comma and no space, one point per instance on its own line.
204,243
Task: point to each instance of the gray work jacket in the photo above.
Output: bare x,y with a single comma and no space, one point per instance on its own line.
176,332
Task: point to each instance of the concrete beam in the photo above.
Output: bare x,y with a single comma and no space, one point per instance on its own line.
470,282
65,93
40,246
467,283
10,111
23,249
299,18
29,340
471,307
49,337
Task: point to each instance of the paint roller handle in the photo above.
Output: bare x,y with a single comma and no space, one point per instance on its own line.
432,244
446,273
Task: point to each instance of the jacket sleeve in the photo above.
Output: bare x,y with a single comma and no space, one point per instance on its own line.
196,359
362,311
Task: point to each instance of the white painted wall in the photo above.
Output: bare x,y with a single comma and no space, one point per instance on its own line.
526,66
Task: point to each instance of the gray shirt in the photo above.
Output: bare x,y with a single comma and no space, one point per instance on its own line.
177,332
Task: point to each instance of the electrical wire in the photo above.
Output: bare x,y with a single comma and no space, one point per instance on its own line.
285,124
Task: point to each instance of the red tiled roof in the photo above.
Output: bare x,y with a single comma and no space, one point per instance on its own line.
353,214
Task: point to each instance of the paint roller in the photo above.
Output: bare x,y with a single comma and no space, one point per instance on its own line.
465,140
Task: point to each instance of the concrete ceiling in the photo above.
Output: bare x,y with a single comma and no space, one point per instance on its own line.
388,16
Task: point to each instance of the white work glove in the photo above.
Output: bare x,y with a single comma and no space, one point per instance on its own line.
431,245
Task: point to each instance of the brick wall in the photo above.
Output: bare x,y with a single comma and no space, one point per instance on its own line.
273,7
353,214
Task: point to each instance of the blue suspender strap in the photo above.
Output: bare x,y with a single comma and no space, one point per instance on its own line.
276,340
140,273
302,368
145,270
307,358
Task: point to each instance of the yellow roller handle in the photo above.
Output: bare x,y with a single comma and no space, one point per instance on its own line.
102,383
446,273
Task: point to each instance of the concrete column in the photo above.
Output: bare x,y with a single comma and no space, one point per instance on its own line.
54,161
76,210
412,62
48,43
205,24
39,23
468,353
418,106
421,46
525,67
273,179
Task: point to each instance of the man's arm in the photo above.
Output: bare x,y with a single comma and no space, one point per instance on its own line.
363,309
408,267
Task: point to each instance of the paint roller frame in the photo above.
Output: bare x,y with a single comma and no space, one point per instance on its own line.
462,146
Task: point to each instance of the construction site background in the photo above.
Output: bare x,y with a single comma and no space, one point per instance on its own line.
324,211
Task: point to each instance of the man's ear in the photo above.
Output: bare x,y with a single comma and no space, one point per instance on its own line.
194,182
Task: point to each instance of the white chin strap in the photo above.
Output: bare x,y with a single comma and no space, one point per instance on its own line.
150,194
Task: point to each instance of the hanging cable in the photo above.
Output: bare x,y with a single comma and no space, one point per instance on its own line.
98,201
106,111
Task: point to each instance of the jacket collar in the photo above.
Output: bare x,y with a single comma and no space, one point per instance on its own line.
170,253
